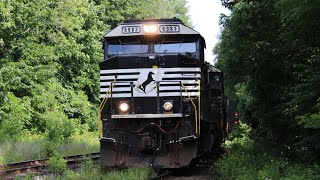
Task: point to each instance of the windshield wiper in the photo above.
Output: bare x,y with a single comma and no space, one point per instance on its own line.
181,43
161,43
121,44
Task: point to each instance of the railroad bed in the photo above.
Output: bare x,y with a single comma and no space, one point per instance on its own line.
8,171
199,171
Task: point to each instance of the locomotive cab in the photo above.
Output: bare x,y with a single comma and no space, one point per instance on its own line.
151,82
150,45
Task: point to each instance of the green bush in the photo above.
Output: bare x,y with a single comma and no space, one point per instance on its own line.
14,114
57,164
240,131
237,164
58,126
247,159
49,148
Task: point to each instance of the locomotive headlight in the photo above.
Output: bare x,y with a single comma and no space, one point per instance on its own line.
167,106
149,28
124,107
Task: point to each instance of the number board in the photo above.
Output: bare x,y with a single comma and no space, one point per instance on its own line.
130,29
169,28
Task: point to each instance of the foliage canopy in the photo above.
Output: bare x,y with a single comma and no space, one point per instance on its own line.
49,60
269,51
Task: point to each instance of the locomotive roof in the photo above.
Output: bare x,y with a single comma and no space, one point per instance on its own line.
214,69
135,28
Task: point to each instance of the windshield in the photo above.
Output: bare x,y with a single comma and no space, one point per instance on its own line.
175,47
127,48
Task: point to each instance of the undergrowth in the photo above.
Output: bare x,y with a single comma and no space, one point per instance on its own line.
246,159
91,171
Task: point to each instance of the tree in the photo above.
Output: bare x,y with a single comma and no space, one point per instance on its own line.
49,59
269,52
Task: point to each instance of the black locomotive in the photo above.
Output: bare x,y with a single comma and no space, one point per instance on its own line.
161,104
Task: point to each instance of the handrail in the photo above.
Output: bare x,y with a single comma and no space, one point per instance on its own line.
195,108
101,106
199,105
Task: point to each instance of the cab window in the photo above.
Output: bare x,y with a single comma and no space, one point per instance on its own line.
127,48
120,46
175,47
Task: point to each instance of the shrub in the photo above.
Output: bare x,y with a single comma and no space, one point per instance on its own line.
57,164
58,126
240,131
49,148
14,114
237,163
246,159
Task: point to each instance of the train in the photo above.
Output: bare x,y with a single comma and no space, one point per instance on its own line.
161,104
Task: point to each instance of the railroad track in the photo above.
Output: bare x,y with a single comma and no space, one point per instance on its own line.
8,171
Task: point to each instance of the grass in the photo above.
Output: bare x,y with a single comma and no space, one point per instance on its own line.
19,151
80,144
36,147
133,173
91,171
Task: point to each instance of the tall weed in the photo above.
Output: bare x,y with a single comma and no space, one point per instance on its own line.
37,147
91,171
57,164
